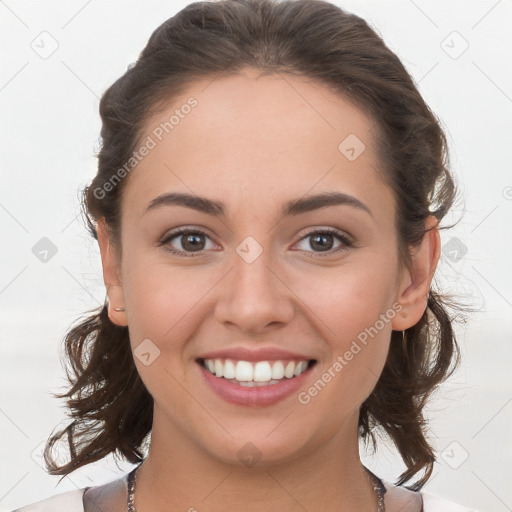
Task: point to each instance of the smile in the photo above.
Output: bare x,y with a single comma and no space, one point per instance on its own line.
261,373
258,383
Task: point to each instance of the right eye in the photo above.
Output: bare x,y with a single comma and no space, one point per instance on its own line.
192,242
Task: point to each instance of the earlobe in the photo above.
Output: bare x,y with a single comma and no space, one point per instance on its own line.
111,272
414,290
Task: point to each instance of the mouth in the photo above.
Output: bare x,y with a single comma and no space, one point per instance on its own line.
255,383
260,373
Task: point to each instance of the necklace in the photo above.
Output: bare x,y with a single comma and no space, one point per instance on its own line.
377,487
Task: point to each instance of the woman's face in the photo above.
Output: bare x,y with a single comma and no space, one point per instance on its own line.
255,276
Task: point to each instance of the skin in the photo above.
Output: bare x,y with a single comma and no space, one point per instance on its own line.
254,143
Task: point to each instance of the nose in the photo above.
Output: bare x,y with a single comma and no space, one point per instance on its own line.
254,296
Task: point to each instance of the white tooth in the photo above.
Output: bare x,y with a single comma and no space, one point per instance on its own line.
243,371
288,371
301,367
252,383
262,372
278,370
219,368
229,369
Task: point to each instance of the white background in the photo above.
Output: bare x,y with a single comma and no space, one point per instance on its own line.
49,132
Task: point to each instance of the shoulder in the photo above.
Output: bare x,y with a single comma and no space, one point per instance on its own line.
105,497
432,503
70,501
401,498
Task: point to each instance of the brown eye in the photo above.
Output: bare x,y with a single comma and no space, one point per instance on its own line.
324,241
192,242
185,241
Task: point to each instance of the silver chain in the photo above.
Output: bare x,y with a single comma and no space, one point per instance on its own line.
131,488
133,476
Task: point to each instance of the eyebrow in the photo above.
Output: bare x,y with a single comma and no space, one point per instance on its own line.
290,208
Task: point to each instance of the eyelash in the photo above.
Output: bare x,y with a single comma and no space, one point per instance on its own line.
346,242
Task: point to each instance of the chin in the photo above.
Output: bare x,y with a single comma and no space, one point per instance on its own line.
257,448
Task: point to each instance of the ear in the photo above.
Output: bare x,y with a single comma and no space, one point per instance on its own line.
415,285
111,273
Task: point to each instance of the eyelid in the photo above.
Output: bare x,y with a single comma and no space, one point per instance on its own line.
312,230
182,230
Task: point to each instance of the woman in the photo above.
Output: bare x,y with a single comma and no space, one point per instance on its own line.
267,207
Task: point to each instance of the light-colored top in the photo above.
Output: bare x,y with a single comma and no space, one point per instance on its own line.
90,499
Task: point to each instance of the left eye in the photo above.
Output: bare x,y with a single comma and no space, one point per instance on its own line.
324,240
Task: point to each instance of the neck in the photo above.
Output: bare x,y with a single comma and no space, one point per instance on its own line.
329,477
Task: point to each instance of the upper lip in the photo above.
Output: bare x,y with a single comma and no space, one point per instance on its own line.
261,354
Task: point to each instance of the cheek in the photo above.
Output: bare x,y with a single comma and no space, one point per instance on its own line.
168,305
164,298
349,299
352,309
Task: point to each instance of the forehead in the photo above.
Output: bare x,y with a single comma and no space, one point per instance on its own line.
237,137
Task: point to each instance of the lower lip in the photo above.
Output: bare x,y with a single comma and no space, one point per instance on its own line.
255,396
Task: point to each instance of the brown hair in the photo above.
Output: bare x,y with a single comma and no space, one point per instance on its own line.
111,409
